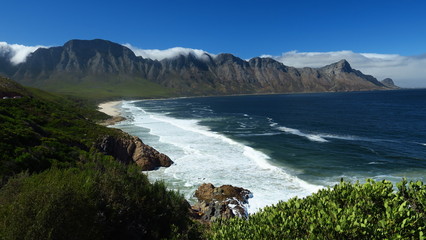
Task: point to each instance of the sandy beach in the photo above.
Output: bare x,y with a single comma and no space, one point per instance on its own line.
110,108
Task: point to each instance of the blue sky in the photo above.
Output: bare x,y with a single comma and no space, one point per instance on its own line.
245,28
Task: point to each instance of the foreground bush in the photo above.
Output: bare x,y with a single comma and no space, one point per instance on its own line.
36,134
103,200
348,211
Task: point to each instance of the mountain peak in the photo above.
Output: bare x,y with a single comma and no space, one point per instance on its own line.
340,66
343,62
343,65
93,42
90,47
227,57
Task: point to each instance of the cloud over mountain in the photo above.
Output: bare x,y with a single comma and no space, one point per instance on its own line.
15,52
159,55
407,71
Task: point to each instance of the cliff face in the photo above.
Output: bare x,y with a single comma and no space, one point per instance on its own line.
82,62
129,149
227,74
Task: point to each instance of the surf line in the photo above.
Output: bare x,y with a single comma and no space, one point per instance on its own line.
202,155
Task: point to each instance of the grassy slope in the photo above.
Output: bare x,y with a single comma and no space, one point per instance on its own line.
111,87
43,129
11,88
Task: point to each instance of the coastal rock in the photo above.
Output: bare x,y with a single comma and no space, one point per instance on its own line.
222,202
388,82
129,149
112,121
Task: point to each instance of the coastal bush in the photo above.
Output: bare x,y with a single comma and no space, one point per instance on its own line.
102,199
373,210
36,134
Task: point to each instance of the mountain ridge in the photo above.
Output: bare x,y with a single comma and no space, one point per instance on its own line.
88,63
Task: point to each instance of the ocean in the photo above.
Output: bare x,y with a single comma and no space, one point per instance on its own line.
287,145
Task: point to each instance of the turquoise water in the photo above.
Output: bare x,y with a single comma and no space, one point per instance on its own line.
281,146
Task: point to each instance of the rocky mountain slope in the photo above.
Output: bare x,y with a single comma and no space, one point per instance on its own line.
81,64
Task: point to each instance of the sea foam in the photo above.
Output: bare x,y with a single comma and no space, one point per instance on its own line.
312,137
319,137
201,155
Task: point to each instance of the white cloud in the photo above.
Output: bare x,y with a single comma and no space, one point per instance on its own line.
406,71
159,55
17,53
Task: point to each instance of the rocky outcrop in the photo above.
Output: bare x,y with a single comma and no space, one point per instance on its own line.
130,149
222,202
388,82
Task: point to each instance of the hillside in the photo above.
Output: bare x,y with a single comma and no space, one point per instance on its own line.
62,176
40,130
100,68
10,89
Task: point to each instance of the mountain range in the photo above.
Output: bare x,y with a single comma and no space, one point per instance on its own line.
80,67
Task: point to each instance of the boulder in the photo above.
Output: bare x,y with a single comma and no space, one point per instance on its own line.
130,149
222,202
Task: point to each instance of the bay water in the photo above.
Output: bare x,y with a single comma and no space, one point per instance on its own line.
287,145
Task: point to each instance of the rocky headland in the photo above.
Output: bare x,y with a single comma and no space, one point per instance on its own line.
388,82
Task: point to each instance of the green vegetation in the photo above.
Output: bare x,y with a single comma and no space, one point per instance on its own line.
348,211
37,134
109,88
102,199
56,185
9,88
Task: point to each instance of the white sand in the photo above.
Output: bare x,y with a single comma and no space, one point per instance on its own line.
110,108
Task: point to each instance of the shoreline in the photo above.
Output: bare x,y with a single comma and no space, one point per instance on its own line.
157,174
188,164
111,109
270,93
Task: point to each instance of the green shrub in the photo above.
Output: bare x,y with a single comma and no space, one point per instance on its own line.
36,134
348,211
97,200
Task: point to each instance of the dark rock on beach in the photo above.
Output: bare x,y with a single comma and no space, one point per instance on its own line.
129,149
222,202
